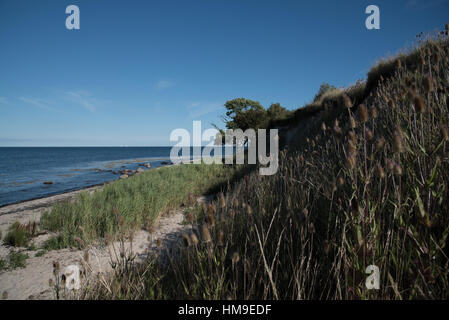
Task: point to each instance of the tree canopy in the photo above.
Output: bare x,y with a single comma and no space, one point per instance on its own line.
244,113
276,112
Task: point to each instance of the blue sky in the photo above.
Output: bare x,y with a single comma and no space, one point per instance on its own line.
136,70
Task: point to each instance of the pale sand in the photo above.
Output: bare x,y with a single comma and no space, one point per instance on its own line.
32,282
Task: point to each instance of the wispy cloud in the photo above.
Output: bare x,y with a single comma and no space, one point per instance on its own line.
42,104
164,84
82,98
198,109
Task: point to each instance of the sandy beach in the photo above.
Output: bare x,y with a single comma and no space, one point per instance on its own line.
32,282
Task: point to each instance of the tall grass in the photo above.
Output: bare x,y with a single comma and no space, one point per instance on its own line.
368,185
140,199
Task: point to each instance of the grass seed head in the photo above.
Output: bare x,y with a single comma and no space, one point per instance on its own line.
398,170
419,105
428,84
340,181
380,144
206,234
211,219
347,101
362,113
222,201
235,258
380,171
221,238
351,161
186,240
323,127
369,134
352,138
373,112
56,267
337,128
352,122
194,239
190,217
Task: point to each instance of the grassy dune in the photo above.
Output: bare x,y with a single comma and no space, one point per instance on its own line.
138,200
364,182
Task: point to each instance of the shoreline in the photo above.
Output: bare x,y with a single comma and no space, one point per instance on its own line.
78,190
73,190
32,280
57,193
33,208
30,210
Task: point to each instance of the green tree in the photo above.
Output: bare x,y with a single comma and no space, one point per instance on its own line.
276,111
244,114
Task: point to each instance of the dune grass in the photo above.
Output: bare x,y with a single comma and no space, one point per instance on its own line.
14,260
20,234
139,200
366,185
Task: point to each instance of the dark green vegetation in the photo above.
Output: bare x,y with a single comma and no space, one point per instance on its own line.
14,260
140,199
19,234
245,114
363,180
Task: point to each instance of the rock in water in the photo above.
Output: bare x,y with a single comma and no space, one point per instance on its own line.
48,182
123,176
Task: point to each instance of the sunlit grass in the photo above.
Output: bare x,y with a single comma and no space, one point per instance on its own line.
140,199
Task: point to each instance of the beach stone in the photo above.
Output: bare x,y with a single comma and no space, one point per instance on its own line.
140,170
123,176
48,182
147,165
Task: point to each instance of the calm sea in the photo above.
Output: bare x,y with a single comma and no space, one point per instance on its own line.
24,170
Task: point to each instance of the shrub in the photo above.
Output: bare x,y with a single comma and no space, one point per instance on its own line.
17,260
19,234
